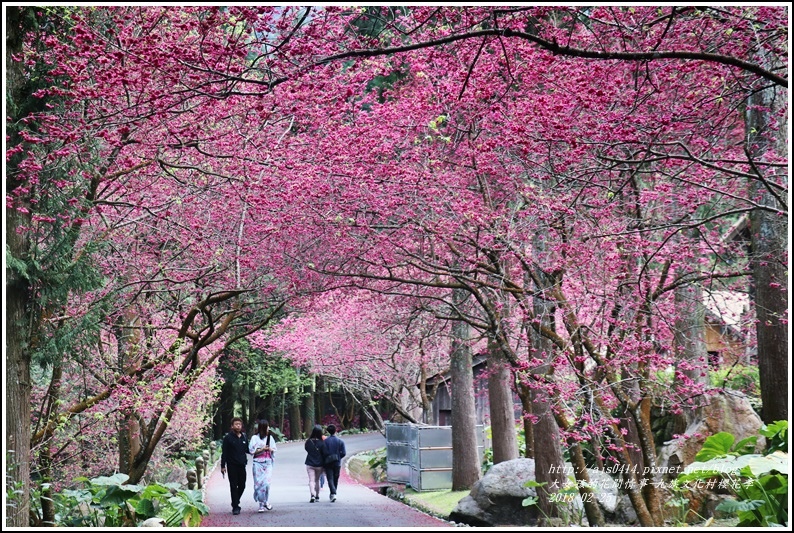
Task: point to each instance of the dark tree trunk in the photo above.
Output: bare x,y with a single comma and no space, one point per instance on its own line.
252,406
768,237
309,416
465,459
295,413
529,434
690,345
549,461
500,396
18,299
319,398
225,409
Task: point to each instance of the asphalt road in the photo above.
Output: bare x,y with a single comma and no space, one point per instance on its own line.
356,506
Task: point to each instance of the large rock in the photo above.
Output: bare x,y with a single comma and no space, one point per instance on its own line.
728,411
496,500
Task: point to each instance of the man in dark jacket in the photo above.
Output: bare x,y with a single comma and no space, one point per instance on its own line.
334,452
233,456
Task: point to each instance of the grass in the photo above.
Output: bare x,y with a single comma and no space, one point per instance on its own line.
437,503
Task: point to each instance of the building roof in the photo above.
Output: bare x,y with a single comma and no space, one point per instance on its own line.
727,308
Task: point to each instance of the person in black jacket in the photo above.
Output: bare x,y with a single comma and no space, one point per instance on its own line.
315,457
334,452
233,456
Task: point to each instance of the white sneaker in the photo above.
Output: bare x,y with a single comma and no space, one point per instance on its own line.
333,497
261,507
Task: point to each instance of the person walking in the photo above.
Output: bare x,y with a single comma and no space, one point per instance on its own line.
315,461
334,452
263,449
233,456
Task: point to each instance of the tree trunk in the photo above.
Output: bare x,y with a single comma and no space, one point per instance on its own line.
690,344
295,413
768,237
18,304
549,462
593,511
225,409
529,434
500,404
465,459
128,428
252,405
309,415
319,405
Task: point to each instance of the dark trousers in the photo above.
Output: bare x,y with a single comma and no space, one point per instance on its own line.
236,482
332,475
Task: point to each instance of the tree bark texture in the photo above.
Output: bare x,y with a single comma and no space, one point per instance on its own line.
768,236
465,459
500,404
18,305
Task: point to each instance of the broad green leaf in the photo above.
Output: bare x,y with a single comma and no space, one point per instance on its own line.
145,508
117,495
716,445
775,461
776,484
115,479
721,465
746,446
733,506
154,490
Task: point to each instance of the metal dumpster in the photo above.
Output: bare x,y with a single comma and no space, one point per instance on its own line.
428,463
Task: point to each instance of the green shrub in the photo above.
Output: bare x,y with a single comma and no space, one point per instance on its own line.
759,482
738,377
108,502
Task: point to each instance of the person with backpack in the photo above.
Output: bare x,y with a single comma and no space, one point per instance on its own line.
263,448
315,461
233,456
334,452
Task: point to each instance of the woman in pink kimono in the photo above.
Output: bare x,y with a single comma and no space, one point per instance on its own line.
263,447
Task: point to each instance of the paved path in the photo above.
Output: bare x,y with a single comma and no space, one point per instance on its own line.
356,506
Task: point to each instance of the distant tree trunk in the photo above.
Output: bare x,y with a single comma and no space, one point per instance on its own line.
295,413
253,412
309,416
319,405
500,396
768,237
690,344
225,408
465,459
526,420
53,398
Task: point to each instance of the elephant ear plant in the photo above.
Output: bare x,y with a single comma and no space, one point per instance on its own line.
108,502
758,481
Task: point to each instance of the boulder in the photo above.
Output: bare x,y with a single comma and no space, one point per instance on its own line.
496,499
728,411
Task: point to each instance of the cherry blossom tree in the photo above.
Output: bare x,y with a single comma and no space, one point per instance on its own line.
564,171
372,344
